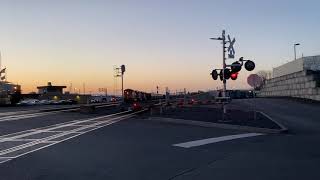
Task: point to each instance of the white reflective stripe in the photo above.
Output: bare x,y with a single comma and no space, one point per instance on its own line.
215,140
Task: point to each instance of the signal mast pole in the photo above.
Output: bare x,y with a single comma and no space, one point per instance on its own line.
123,69
223,39
224,67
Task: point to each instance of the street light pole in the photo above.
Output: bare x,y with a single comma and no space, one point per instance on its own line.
295,53
122,86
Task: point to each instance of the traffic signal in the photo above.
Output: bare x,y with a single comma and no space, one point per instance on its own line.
249,65
214,74
234,76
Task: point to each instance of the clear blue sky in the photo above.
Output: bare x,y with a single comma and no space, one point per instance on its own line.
163,42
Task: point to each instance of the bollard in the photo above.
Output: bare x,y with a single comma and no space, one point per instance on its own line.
151,111
161,107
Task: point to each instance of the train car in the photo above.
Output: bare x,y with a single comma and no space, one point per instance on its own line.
157,96
131,95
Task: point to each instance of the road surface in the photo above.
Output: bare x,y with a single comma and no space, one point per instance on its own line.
135,148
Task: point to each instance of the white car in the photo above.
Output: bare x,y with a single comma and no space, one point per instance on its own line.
44,102
29,102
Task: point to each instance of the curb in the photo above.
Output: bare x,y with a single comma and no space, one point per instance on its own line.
222,125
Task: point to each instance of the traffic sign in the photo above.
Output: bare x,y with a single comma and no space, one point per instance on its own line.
254,80
231,51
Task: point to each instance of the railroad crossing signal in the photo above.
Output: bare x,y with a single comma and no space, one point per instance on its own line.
234,71
236,67
234,76
214,74
249,65
123,69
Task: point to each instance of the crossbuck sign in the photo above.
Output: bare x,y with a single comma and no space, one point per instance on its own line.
231,51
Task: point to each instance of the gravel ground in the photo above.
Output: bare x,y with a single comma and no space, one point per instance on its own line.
207,114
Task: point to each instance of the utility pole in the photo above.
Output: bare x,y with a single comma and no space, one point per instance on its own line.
84,88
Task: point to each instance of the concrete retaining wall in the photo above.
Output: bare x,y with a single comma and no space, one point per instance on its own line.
302,84
305,63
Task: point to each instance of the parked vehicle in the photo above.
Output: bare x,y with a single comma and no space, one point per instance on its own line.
44,102
29,102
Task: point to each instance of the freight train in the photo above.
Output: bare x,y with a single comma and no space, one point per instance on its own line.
131,95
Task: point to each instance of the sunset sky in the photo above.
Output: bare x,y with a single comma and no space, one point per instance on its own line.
162,42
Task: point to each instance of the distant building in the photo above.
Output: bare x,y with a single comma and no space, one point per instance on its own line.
50,90
7,91
9,88
56,93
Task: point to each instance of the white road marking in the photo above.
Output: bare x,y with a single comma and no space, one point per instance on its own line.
12,116
215,140
3,160
51,138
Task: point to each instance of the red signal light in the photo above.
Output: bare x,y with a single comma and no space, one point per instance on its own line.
234,76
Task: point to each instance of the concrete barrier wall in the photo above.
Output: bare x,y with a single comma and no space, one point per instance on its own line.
302,84
305,63
288,68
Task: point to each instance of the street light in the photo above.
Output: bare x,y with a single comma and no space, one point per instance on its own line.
294,47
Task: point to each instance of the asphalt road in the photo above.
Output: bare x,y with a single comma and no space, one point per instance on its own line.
135,148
